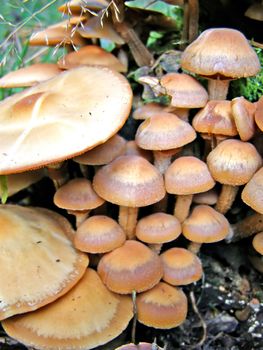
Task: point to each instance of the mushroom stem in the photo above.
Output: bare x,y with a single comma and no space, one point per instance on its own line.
193,19
194,247
184,35
226,198
247,227
155,247
182,206
218,89
161,161
134,322
58,173
80,216
128,220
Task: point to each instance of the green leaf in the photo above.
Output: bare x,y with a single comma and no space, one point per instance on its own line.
4,188
107,45
153,38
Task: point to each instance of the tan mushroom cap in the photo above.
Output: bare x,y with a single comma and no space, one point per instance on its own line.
233,162
188,175
99,234
162,307
158,228
185,91
77,194
38,261
104,153
259,113
205,225
29,76
243,112
94,29
215,118
132,149
252,193
258,242
255,11
62,33
82,6
209,197
89,315
91,55
181,266
60,118
147,110
18,182
164,131
132,267
129,181
140,346
221,52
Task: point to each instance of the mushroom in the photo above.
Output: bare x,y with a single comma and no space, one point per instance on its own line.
131,267
252,193
232,163
243,112
46,123
258,242
91,55
46,264
78,198
18,182
140,346
89,315
130,182
185,177
29,76
259,113
162,307
220,55
99,234
181,267
77,7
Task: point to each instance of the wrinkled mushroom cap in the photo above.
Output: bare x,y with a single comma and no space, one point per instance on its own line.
233,162
132,267
99,234
185,91
163,306
221,52
252,193
89,315
205,225
38,261
60,118
29,76
188,175
91,55
77,194
129,181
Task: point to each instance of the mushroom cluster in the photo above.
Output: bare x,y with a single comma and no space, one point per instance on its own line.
131,199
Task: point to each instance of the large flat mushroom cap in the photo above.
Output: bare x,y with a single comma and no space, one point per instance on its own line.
37,259
61,118
221,52
87,316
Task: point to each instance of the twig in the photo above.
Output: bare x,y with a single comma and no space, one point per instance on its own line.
203,324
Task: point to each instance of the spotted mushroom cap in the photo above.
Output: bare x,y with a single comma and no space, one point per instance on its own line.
38,261
132,267
87,316
233,162
47,123
221,52
129,181
29,76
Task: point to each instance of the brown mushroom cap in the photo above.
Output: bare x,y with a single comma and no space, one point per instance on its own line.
252,193
258,242
131,148
181,266
158,228
89,315
91,55
37,124
233,162
255,11
215,118
185,91
188,175
29,76
164,131
163,306
77,194
221,52
129,181
205,225
209,197
259,113
99,234
46,264
243,112
104,153
18,182
132,267
147,110
81,6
